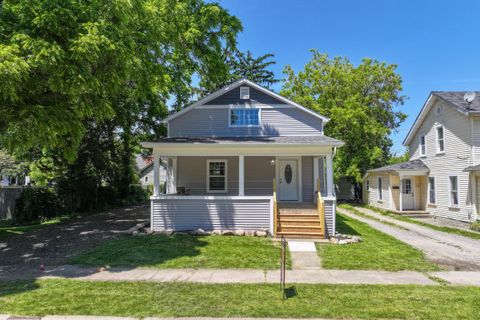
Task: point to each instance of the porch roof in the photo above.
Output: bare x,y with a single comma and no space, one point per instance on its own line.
319,140
412,165
472,168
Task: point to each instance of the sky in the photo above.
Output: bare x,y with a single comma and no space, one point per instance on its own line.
434,43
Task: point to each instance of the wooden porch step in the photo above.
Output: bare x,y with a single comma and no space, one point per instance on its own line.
298,216
299,222
301,229
300,235
297,211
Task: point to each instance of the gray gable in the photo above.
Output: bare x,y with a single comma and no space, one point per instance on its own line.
233,97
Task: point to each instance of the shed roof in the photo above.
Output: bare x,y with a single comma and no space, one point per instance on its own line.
416,164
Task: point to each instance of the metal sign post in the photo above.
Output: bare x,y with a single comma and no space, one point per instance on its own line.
282,266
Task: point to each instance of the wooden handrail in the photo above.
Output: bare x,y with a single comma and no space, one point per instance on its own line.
320,208
275,209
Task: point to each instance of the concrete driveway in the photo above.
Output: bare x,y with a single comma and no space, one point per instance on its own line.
56,244
451,251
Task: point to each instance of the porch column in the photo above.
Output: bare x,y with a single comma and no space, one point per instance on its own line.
329,165
171,175
241,175
401,194
156,175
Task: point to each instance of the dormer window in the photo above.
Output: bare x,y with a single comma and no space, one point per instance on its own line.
244,93
244,117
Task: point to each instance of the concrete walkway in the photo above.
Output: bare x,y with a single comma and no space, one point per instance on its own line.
251,276
449,250
304,255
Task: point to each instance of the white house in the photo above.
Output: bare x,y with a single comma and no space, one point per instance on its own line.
443,174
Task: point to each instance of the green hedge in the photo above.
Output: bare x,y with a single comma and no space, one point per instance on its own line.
37,205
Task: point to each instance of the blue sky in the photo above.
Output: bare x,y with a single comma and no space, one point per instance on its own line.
434,43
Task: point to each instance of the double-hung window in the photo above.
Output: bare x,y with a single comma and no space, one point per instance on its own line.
440,139
217,176
431,190
423,149
453,191
380,188
244,117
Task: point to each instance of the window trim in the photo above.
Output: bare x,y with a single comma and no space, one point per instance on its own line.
247,88
423,147
452,205
434,190
438,140
230,125
368,185
207,175
380,188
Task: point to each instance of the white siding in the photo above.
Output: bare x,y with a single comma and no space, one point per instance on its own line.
371,196
457,156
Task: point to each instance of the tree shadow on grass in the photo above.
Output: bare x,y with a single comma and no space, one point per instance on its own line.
343,227
143,251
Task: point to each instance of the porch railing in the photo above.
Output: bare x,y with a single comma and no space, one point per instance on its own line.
320,208
275,208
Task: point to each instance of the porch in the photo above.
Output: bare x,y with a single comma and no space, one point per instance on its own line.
238,186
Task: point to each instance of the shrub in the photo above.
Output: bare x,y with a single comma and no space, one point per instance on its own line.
137,194
36,205
475,226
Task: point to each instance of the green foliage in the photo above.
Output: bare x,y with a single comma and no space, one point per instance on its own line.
399,158
64,62
475,226
10,166
361,102
244,65
37,205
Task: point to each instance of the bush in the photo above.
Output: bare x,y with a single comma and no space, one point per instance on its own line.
475,226
137,194
36,205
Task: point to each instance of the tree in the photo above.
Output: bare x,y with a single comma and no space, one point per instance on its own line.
244,65
361,101
63,63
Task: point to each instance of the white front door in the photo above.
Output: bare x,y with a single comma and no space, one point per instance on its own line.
408,199
288,180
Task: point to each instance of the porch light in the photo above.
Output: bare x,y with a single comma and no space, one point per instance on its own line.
272,163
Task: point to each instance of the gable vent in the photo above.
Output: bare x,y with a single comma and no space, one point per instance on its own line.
244,93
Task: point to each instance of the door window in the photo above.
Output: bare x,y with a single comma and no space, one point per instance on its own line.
407,186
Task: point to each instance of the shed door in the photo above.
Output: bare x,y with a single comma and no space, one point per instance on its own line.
288,180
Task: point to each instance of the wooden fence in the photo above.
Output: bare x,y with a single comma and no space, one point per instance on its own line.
8,195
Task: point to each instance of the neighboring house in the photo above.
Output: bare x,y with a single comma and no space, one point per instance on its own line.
144,168
443,174
225,153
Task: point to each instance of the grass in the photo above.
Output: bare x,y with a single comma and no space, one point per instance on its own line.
377,251
140,299
185,251
8,230
465,233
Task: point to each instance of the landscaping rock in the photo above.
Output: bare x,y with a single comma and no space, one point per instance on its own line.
135,233
344,239
201,232
167,232
250,233
216,232
260,233
227,233
239,233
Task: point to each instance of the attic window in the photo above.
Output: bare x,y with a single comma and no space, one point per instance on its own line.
244,93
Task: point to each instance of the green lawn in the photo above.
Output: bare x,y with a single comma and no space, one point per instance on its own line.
185,251
378,251
142,299
465,233
8,230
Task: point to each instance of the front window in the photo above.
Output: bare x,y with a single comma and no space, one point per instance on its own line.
454,191
431,188
217,176
380,188
244,117
422,146
368,185
440,140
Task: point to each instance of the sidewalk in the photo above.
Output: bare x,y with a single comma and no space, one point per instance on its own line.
250,276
